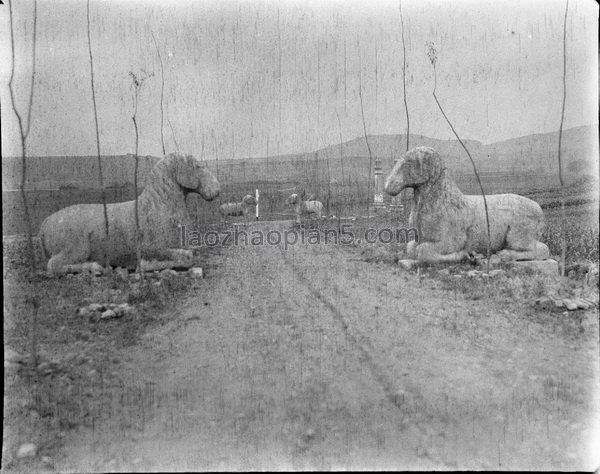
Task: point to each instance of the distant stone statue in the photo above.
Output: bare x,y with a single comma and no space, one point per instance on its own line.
304,207
452,225
238,208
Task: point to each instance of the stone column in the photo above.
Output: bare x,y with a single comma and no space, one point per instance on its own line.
396,206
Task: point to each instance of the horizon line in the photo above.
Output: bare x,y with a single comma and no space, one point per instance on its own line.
361,137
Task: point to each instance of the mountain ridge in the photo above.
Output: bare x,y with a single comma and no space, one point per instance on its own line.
528,154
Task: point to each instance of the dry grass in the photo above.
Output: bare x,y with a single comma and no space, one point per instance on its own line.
77,354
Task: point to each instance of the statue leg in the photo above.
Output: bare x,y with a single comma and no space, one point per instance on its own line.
71,260
520,245
430,252
538,251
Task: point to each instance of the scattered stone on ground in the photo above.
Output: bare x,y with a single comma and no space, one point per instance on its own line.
196,272
105,311
11,355
167,272
153,265
96,269
108,314
27,450
13,360
554,302
483,274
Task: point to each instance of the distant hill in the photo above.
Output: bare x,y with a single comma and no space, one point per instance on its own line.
531,153
528,155
539,152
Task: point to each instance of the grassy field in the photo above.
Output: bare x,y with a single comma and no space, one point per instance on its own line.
276,333
310,357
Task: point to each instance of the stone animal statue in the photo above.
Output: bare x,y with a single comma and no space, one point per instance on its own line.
237,208
75,236
304,207
305,197
452,225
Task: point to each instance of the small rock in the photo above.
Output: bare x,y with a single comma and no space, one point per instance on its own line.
96,307
571,306
27,450
96,269
581,303
109,314
196,272
408,264
445,271
13,356
558,303
47,461
126,308
473,273
168,272
85,311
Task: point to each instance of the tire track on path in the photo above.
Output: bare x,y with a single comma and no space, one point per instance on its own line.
392,394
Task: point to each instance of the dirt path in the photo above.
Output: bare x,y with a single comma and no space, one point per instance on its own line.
309,359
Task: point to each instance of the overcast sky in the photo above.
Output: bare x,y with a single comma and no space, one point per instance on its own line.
241,76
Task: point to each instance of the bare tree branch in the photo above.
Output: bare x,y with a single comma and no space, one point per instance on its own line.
137,84
341,149
404,77
366,140
432,53
162,93
24,130
23,134
560,130
100,178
